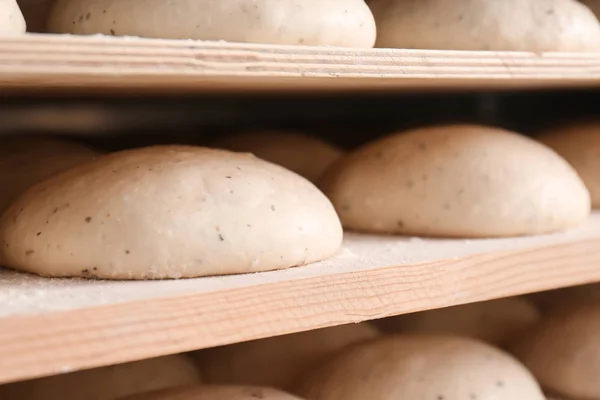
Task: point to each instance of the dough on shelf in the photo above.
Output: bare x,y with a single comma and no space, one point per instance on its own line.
421,367
108,383
346,23
169,212
579,144
306,155
282,359
563,351
512,25
25,161
456,181
495,321
11,18
215,392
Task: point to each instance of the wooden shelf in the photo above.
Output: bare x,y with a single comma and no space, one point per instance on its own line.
45,63
50,326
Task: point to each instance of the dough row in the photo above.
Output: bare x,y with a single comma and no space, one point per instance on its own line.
502,349
188,211
519,25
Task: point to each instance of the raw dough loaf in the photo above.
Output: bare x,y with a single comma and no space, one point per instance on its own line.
515,25
459,180
579,144
496,321
108,383
303,154
25,161
279,361
11,18
215,393
563,352
422,367
321,23
169,212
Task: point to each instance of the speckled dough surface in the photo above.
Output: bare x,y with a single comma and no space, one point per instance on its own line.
306,155
516,25
422,367
169,212
11,18
459,180
211,392
313,22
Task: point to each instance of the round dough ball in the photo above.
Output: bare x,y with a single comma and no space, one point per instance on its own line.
169,212
563,352
422,367
495,321
446,180
553,300
11,18
282,359
303,154
25,161
320,23
579,144
512,25
215,393
108,383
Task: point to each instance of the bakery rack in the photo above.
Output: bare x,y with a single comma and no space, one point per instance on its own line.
51,326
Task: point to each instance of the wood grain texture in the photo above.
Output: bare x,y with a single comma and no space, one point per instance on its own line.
36,62
51,326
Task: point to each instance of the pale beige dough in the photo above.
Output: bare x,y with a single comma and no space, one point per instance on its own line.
579,144
459,181
313,22
303,154
496,321
108,383
169,212
421,367
215,393
513,25
25,161
282,359
11,18
563,352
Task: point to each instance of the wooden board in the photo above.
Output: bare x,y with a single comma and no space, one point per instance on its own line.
50,63
50,326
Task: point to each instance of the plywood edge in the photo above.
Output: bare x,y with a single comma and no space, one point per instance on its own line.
47,344
111,63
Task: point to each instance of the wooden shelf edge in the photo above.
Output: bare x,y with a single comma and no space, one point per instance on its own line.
52,343
111,64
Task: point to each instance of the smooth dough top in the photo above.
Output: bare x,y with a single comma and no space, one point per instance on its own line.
169,212
579,144
211,392
347,23
457,180
512,25
12,21
563,352
303,154
422,367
